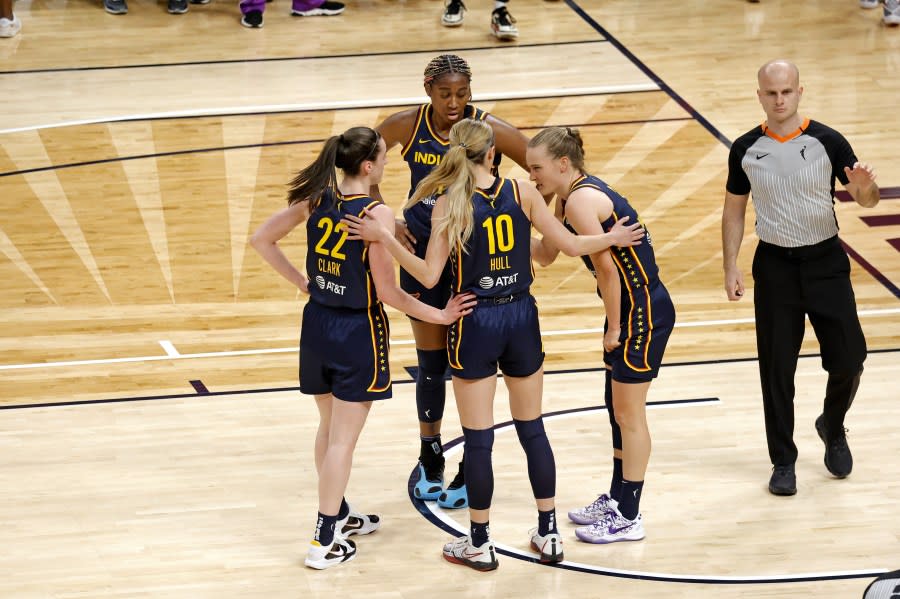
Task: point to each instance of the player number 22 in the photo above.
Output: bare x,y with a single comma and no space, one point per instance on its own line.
328,225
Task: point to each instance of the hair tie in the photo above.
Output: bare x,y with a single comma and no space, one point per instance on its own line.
569,132
463,145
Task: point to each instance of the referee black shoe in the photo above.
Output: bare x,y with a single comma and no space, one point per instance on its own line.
838,458
783,481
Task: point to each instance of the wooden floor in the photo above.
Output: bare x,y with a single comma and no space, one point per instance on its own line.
152,441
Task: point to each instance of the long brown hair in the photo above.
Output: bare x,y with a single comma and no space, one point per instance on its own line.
347,152
470,141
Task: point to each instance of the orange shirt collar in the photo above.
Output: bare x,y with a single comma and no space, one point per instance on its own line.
803,126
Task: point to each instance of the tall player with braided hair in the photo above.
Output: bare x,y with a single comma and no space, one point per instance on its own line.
640,317
346,281
422,134
482,223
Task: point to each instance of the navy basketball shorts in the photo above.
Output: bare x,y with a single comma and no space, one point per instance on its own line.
345,352
437,296
507,335
648,317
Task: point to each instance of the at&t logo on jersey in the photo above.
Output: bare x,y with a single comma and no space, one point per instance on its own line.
329,286
506,280
501,281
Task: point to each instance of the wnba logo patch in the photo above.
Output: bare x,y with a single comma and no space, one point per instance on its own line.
486,282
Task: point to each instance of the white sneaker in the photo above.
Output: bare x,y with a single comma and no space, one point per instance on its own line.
869,3
593,512
503,24
340,551
461,551
357,524
613,528
10,27
549,546
891,12
453,13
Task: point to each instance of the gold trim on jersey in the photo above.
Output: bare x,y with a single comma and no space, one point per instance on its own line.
412,136
623,270
454,341
378,330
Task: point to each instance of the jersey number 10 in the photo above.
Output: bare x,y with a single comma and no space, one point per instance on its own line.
499,233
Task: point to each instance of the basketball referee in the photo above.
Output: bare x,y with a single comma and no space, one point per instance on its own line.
799,269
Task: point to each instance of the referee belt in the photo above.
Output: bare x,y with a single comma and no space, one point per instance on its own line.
803,252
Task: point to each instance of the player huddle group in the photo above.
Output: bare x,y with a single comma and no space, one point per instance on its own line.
465,252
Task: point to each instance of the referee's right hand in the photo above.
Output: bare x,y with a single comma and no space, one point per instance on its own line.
734,284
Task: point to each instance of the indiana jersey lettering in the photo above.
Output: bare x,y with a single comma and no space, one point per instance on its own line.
425,150
648,314
497,258
338,269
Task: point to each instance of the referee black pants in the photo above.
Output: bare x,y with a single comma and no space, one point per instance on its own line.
790,283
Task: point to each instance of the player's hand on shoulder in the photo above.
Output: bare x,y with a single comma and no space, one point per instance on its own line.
627,234
367,227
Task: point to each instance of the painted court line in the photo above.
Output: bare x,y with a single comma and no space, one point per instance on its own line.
169,348
441,518
350,104
172,353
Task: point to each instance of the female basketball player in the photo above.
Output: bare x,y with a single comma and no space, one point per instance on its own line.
639,319
422,134
346,281
483,224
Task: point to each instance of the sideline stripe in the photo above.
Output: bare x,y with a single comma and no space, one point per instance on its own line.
289,142
440,518
83,402
289,58
350,105
285,350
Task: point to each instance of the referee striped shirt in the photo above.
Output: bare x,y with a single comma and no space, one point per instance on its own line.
792,180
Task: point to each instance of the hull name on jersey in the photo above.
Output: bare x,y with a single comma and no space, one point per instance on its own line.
329,267
501,263
330,286
427,158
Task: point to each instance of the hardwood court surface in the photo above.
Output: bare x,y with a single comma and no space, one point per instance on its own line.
132,174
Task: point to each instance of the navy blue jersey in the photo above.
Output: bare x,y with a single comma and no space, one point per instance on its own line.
648,314
338,269
423,152
497,257
636,264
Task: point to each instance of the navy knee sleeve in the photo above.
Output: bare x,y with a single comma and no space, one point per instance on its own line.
607,399
431,392
541,465
479,470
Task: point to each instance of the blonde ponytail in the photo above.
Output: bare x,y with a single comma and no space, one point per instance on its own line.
470,141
